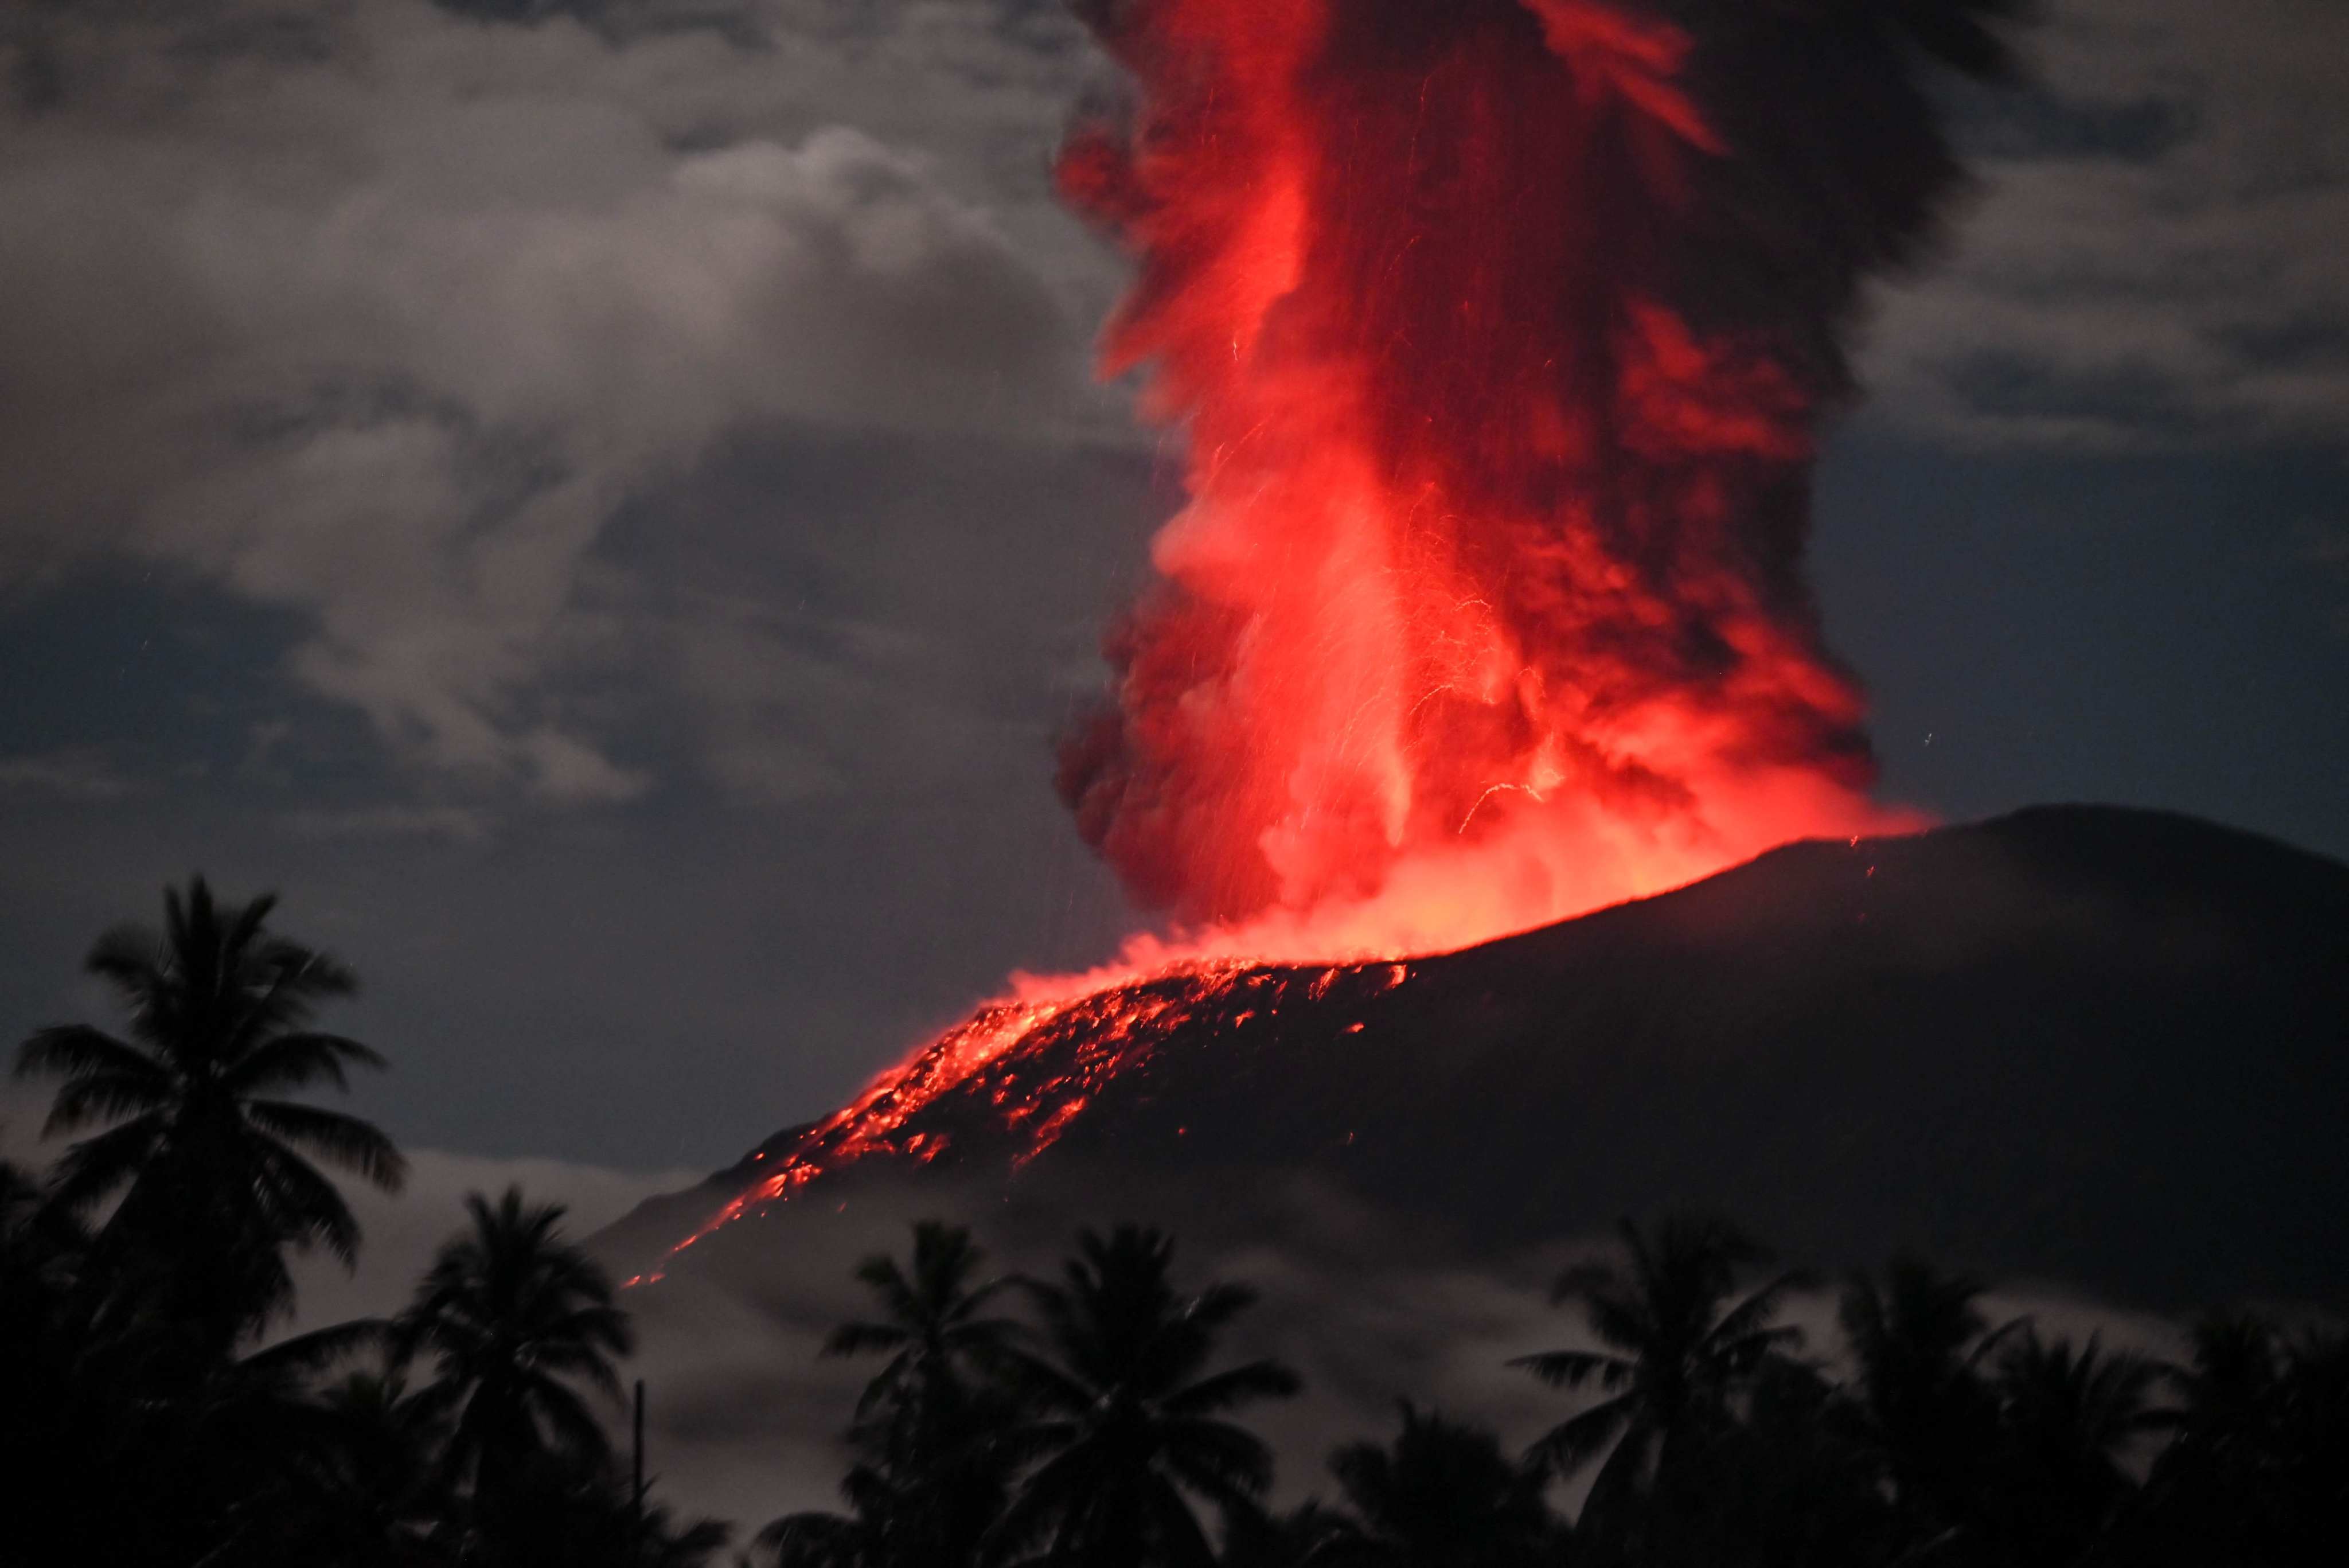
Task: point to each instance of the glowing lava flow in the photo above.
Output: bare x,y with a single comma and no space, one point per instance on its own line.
1499,332
1035,1063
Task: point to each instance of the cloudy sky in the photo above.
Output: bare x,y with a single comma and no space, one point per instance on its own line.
602,504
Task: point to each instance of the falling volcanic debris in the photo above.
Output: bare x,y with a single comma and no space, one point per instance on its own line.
1500,331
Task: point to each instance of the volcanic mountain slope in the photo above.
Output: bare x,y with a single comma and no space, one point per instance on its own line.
2102,1046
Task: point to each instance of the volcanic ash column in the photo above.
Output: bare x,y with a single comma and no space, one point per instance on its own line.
1501,330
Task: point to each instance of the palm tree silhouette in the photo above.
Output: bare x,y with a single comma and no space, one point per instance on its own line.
217,1166
513,1317
2212,1496
361,1491
867,1536
1918,1337
940,1347
2068,1416
1675,1354
931,1482
1259,1539
1124,1430
1443,1496
2312,1444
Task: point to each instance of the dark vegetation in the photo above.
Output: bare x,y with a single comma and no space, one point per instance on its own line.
1089,1419
1098,1434
145,1415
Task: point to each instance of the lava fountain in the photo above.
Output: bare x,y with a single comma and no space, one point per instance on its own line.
1500,333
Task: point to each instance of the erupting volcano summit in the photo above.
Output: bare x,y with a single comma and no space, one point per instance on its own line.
1499,332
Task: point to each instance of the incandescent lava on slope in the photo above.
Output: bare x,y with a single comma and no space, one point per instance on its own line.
1031,1066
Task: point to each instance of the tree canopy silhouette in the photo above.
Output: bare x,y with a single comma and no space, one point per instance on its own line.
514,1319
1441,1495
215,1160
1675,1351
1125,1423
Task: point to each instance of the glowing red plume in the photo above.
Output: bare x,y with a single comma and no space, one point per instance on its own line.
1487,607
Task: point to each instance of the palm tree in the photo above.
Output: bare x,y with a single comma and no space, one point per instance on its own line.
1676,1354
2313,1440
41,1249
932,1483
939,1344
360,1488
586,1522
513,1317
1126,1428
1444,1496
130,1458
2067,1419
70,1416
1918,1337
1258,1538
217,1165
2213,1495
865,1537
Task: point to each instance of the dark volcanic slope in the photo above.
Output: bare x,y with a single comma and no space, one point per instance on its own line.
2102,1046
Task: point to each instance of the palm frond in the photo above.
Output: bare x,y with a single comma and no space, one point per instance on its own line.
1568,1368
1239,1386
302,1206
1228,1465
340,1140
244,925
571,1426
864,1338
1571,1443
309,1354
297,1061
73,1050
102,1098
1051,1492
1045,1383
96,1166
1181,1542
1219,1303
130,957
1750,1316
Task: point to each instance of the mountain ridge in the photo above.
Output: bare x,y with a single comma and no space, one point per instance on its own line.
2076,1041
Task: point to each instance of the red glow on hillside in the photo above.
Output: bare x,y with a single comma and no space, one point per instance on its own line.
1486,609
1035,1063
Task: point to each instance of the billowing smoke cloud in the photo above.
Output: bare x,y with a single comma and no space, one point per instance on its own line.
379,317
1501,330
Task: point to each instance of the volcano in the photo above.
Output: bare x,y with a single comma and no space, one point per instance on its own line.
2101,1046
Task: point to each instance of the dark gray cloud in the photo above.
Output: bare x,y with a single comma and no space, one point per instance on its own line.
382,314
386,330
848,656
2159,253
69,773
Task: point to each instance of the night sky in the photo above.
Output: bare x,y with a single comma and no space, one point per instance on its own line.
604,506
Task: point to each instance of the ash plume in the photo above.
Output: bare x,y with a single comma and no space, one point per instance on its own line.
1501,332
